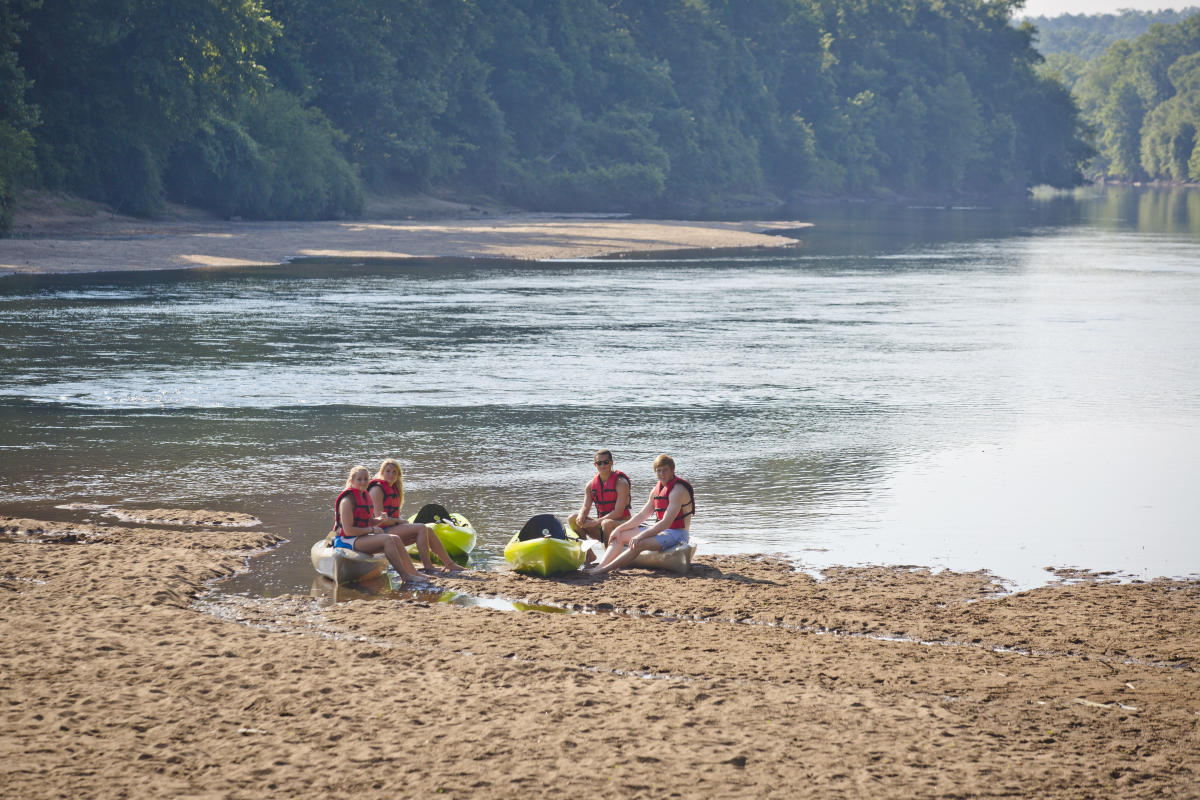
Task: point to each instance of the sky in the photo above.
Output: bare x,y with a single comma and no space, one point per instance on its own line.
1052,8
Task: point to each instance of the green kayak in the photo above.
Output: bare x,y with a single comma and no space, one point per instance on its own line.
454,530
544,548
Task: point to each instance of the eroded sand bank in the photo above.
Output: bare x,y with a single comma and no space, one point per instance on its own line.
726,683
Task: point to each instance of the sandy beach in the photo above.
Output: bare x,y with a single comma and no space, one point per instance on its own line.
125,677
91,239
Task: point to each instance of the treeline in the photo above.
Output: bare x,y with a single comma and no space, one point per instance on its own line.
1142,96
1089,35
288,108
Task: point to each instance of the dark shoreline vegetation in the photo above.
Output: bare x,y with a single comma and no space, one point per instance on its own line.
293,109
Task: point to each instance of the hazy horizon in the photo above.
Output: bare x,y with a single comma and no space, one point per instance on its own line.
1054,8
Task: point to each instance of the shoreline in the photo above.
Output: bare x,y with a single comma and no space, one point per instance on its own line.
62,244
114,511
128,676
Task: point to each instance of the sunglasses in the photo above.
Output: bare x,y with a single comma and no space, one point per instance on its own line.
602,463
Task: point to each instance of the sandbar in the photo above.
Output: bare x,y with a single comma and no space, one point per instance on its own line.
100,243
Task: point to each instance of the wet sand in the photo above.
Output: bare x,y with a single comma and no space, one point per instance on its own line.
98,243
744,678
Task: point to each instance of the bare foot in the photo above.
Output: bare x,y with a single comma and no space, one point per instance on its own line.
413,577
452,567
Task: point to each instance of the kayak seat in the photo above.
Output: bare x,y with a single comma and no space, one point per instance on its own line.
540,527
431,512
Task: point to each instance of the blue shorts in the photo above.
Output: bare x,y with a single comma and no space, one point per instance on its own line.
344,541
671,537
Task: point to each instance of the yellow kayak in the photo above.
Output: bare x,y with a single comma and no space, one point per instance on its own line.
454,530
543,548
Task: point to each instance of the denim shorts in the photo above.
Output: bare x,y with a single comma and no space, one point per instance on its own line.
671,537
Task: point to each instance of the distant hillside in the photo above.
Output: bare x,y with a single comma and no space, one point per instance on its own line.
1089,35
1141,96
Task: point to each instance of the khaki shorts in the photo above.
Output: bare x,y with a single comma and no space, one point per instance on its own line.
575,526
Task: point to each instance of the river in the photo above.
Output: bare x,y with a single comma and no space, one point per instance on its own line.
1002,388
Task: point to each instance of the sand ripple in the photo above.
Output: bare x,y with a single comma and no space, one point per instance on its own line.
116,685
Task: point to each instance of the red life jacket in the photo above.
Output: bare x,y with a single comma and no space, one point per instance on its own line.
604,493
363,511
662,499
391,497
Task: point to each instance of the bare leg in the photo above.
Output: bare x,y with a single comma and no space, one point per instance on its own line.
589,527
398,555
614,549
608,526
592,529
391,546
412,533
615,545
629,556
431,539
423,546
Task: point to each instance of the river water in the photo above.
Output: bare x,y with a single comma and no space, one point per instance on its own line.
1008,388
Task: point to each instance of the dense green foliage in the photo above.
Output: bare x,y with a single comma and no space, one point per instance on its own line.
270,159
120,82
283,108
17,116
1143,97
1089,35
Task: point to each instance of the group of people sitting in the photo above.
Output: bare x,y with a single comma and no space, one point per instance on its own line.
672,501
366,517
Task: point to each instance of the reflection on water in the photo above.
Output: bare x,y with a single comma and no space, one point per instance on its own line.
957,387
1168,210
386,586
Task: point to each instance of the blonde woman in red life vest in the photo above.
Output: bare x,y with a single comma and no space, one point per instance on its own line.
608,491
356,527
672,501
386,491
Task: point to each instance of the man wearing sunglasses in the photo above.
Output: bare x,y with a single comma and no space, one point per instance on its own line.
608,491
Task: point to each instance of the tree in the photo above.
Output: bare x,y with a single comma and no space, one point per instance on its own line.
1169,143
953,129
1142,96
120,81
273,159
646,105
1086,36
18,117
1120,120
